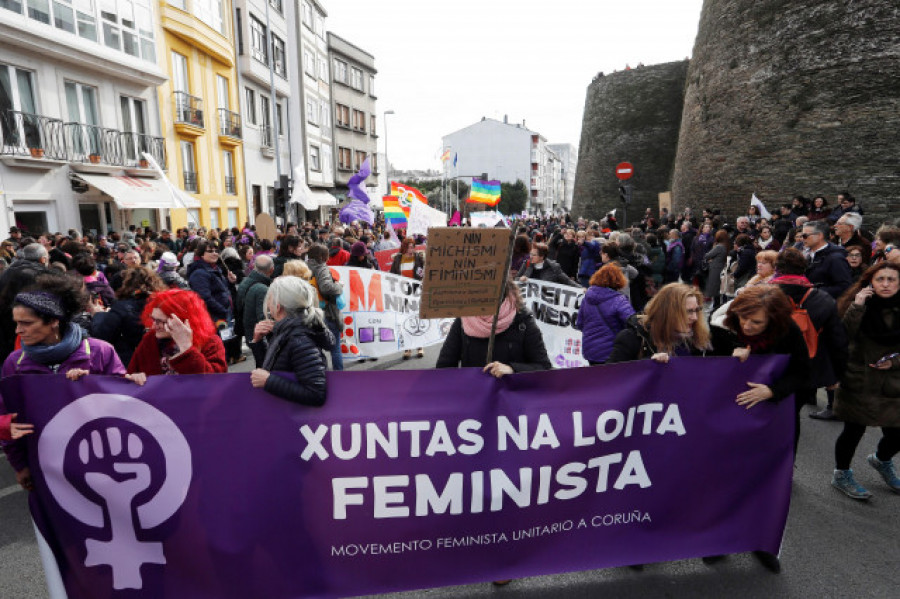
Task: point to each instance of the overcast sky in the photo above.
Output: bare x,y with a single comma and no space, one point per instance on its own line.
444,65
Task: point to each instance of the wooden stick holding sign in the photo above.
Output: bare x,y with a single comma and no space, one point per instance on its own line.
502,298
465,271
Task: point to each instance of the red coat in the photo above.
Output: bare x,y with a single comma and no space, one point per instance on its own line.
210,360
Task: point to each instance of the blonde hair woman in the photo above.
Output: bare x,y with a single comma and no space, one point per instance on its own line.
297,268
672,325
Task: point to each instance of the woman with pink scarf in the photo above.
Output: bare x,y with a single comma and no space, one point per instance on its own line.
518,346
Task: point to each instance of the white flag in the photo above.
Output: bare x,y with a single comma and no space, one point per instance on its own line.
755,201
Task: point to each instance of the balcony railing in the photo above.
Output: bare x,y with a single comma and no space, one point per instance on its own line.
188,109
135,145
25,134
230,188
265,137
190,181
97,145
229,123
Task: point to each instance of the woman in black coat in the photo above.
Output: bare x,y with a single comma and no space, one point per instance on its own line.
518,345
121,325
294,366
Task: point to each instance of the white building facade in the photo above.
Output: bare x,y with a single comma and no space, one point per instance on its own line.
507,152
78,110
312,147
265,63
568,157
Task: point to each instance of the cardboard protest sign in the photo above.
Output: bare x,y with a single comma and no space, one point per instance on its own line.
464,271
265,227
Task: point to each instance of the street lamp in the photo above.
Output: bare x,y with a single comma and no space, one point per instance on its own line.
387,165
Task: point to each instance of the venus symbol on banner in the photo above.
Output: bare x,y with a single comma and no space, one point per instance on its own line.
118,447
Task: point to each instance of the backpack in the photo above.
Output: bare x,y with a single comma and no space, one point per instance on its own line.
805,324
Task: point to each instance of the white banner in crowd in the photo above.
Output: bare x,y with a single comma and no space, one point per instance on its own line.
381,314
555,307
485,218
422,217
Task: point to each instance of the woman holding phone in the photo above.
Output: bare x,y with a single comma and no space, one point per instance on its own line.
869,393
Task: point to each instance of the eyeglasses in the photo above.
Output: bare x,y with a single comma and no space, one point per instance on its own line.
212,251
696,311
854,255
806,235
157,322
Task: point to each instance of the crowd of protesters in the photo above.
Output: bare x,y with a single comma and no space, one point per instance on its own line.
811,282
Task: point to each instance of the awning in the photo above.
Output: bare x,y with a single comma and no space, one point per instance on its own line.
316,198
139,192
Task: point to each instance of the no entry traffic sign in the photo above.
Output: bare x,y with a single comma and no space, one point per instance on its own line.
624,170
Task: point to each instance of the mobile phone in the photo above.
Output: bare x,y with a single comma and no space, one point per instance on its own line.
886,358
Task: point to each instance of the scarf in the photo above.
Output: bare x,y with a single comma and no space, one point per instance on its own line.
57,353
758,344
881,321
480,326
763,244
800,280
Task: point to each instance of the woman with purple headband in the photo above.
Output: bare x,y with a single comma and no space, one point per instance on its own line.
52,344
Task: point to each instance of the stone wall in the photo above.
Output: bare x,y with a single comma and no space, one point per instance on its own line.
630,116
791,97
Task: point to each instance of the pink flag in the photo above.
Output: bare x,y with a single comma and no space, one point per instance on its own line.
456,220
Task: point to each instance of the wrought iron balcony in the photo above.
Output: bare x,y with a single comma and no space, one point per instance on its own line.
190,181
90,143
229,123
188,109
134,145
25,134
230,187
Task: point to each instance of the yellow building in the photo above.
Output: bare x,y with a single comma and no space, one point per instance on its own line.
199,111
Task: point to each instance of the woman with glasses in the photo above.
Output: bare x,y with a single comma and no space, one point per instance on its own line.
181,338
209,278
542,268
857,262
672,325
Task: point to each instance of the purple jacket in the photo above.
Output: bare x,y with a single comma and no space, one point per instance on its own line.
602,315
93,355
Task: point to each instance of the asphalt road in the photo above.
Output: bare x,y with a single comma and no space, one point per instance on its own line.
833,546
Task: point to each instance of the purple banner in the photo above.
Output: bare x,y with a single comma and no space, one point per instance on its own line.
201,486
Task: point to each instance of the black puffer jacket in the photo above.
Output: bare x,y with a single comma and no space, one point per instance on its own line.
121,326
297,350
521,346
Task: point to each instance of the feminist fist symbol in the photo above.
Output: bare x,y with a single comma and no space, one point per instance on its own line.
124,553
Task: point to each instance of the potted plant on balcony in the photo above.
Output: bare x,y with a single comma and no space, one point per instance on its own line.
94,158
36,152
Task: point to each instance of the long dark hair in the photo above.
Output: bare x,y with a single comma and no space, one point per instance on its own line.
865,279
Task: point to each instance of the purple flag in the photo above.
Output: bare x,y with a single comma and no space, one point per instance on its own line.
355,183
356,211
201,486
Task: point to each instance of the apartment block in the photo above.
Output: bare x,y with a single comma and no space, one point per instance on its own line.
79,114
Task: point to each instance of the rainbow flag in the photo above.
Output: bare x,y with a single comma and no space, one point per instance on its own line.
445,156
393,213
484,192
406,194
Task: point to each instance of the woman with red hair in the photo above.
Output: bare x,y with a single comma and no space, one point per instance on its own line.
181,338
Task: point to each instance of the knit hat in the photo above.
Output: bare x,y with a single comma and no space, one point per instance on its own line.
42,302
358,249
168,262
